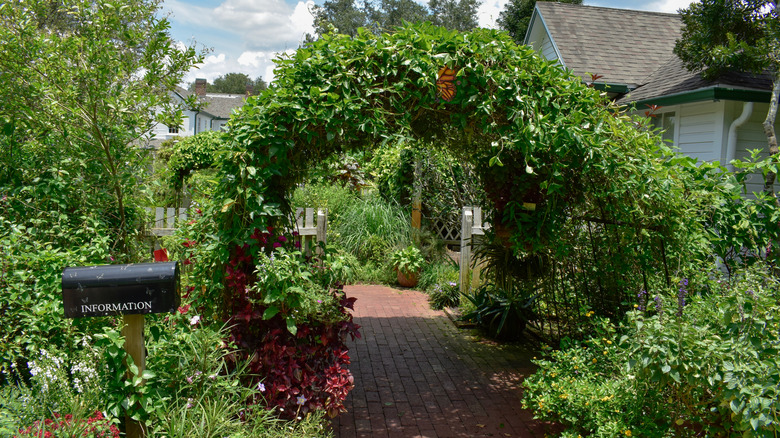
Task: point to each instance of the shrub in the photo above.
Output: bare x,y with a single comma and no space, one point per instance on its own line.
444,295
699,360
503,312
288,322
336,198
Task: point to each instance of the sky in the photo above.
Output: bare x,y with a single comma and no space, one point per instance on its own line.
245,36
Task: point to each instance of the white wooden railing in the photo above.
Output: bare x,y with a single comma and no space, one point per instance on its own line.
471,225
165,220
308,229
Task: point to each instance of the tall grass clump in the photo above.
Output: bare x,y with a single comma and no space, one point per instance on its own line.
372,227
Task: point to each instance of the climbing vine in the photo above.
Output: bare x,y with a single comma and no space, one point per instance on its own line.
548,150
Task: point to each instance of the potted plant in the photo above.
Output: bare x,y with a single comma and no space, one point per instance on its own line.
407,263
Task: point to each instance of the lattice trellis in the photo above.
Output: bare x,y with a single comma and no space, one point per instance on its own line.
446,228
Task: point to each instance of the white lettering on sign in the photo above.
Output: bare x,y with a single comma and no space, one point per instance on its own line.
116,307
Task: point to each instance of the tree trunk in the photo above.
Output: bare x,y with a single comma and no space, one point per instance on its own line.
771,135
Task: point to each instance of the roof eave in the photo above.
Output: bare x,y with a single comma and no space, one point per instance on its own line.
705,94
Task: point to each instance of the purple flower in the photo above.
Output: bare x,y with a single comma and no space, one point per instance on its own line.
658,305
261,386
642,300
681,294
282,239
277,244
300,400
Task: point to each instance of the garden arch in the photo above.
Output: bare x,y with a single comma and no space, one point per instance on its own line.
550,152
539,137
547,148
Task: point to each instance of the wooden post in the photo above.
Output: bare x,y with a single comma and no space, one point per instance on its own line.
466,226
417,197
322,229
133,331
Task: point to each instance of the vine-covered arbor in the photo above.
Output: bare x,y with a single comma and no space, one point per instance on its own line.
555,158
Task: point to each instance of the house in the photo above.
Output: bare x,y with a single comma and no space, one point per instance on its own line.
213,112
632,52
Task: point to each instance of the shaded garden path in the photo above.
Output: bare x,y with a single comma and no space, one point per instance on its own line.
416,375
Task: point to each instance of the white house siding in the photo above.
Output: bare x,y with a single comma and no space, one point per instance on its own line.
751,136
699,130
540,40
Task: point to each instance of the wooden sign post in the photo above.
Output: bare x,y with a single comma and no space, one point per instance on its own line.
129,290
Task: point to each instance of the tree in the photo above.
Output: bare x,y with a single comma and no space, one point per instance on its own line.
82,83
723,35
236,83
347,16
458,15
516,17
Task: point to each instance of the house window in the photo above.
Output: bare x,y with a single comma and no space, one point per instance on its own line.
666,122
173,130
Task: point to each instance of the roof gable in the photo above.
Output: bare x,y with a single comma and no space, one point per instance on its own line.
623,46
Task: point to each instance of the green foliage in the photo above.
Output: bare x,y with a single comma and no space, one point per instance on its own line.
456,15
193,153
60,383
347,17
699,359
438,272
719,36
31,276
516,17
335,198
408,260
234,83
371,228
75,102
504,313
444,295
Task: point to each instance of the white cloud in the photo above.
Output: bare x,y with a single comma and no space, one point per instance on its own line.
247,33
254,24
671,6
488,11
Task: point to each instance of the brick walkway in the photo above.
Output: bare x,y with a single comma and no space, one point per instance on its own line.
416,375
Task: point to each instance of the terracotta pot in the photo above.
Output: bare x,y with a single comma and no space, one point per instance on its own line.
407,279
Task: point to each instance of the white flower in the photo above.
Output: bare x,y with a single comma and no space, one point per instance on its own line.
195,319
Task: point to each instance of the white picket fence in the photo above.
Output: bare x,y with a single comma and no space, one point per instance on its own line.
471,225
311,229
165,220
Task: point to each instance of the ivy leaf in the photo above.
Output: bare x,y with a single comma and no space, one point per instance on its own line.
291,327
270,312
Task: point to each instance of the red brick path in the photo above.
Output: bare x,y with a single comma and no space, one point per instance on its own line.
416,375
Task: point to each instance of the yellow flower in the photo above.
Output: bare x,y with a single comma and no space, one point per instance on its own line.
609,342
628,433
594,360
